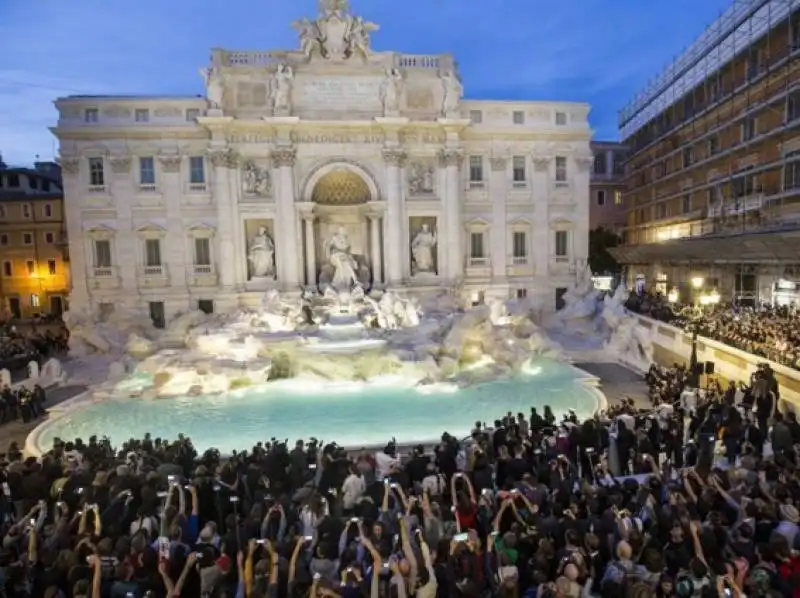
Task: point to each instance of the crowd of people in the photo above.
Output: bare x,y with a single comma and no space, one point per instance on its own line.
618,505
769,332
18,348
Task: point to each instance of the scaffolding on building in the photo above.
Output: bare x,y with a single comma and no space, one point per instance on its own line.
737,201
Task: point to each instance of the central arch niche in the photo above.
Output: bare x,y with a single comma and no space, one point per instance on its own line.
341,188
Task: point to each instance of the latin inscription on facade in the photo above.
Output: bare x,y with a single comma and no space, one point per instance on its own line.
338,93
318,138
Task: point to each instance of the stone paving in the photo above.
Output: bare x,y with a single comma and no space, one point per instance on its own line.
17,431
619,382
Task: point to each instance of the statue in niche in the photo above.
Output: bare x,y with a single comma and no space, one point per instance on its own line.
420,181
422,250
452,94
256,180
214,87
282,89
261,255
392,89
340,258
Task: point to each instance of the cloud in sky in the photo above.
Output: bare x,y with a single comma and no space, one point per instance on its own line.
584,50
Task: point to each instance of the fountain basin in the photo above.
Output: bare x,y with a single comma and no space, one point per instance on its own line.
354,414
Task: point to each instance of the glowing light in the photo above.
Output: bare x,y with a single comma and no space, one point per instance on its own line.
673,296
713,297
698,281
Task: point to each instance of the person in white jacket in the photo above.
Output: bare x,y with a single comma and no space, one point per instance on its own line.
386,462
353,489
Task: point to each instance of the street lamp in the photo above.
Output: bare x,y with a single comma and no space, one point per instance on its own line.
697,282
673,295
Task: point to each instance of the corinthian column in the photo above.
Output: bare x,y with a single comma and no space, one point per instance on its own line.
395,159
454,246
287,251
375,250
311,258
222,160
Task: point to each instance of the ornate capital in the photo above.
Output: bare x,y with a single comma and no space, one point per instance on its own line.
395,157
224,158
584,163
283,156
498,164
450,157
170,162
70,165
120,164
542,163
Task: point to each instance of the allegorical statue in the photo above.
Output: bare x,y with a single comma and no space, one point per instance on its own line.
452,94
282,89
345,267
261,255
391,90
422,248
214,87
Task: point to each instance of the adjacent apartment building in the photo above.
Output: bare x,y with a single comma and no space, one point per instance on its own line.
606,186
34,274
713,175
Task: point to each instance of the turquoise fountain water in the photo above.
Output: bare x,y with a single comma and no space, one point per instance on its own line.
353,414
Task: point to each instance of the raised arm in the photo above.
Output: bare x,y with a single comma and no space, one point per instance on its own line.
191,559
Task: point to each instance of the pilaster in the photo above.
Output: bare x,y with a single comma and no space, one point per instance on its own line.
288,253
395,160
498,191
79,261
451,160
127,245
222,159
542,193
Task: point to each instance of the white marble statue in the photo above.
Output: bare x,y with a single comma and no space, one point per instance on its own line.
345,267
52,373
310,37
581,303
5,378
452,94
33,370
279,315
392,88
420,180
215,87
358,36
256,181
261,255
282,82
423,246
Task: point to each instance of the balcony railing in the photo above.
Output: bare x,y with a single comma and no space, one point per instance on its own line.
519,260
153,270
478,262
103,272
147,188
737,206
200,269
194,188
97,189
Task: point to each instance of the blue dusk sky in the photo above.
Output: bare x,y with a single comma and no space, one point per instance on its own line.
596,51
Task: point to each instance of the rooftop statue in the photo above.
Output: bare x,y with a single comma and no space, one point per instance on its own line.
335,34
